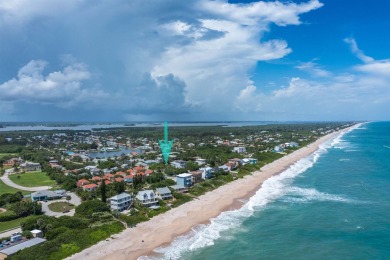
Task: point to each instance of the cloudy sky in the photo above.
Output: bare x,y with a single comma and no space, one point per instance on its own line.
139,60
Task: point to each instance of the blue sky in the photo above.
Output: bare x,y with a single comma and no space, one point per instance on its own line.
194,60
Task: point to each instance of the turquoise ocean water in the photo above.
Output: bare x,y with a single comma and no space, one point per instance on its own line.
335,204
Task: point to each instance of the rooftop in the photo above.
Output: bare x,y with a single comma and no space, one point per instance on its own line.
29,243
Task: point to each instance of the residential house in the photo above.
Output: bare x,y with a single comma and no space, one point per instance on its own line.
129,178
164,193
200,161
44,195
147,198
179,188
90,187
96,178
236,161
250,160
95,171
121,202
179,164
206,173
13,161
184,179
224,168
239,149
82,182
278,149
30,167
196,176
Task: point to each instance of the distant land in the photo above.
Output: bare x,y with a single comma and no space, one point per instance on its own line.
87,126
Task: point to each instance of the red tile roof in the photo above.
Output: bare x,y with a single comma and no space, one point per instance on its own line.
90,186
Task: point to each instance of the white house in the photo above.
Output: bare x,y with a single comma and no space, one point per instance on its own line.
121,201
206,172
147,198
179,164
239,149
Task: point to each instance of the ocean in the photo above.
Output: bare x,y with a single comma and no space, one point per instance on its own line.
334,204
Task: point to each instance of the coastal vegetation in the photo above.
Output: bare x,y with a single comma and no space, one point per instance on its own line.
68,235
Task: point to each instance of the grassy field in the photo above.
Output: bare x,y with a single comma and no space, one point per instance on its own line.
7,154
32,179
59,206
7,189
11,224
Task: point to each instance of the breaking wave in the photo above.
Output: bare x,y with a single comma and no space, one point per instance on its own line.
304,195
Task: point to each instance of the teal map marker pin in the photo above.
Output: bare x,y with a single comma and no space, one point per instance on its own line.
165,145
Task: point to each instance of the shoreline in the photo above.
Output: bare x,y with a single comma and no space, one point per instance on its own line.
161,230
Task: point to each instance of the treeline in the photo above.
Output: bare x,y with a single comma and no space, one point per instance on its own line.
17,207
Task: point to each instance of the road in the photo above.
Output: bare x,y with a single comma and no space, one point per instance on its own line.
10,232
5,178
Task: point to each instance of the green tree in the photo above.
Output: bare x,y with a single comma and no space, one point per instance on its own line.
119,187
25,208
103,191
137,181
87,208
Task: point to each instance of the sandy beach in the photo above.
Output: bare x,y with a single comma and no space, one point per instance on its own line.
162,229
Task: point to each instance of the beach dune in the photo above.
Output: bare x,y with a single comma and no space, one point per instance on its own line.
162,229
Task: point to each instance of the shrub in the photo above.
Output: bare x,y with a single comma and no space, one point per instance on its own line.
87,208
7,216
51,234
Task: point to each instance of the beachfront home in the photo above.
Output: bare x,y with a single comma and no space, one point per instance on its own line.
196,176
224,168
278,149
179,188
249,161
184,179
147,198
121,201
164,193
206,172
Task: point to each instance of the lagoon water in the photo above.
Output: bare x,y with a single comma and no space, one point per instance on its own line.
334,204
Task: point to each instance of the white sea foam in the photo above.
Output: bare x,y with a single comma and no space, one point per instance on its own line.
344,160
205,235
340,143
304,195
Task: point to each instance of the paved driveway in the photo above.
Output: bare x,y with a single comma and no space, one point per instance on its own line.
75,200
5,178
